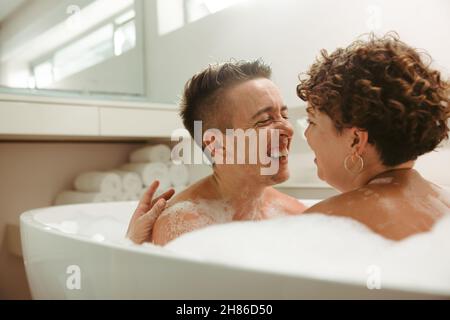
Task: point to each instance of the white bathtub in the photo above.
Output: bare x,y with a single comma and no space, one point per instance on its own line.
59,251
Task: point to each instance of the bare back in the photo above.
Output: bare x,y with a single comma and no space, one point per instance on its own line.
396,205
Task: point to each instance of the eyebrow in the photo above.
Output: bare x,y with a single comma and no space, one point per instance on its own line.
268,109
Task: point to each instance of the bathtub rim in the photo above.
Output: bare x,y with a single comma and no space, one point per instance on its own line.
27,218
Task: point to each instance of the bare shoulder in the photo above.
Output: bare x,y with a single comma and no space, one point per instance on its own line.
183,214
195,191
327,206
383,208
288,204
354,203
177,219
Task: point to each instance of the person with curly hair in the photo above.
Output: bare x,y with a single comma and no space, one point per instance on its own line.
373,109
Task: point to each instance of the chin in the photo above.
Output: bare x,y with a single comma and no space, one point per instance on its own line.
320,174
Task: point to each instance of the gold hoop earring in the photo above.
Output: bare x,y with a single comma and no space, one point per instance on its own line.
359,160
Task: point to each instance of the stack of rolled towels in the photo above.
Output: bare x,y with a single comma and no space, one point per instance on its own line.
131,180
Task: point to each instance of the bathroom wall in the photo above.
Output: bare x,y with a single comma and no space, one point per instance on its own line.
288,34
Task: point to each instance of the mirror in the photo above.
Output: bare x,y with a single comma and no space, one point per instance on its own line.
82,47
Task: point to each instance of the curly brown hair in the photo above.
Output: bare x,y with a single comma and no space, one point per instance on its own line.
382,86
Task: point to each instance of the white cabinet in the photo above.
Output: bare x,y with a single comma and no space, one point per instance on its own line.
25,118
120,122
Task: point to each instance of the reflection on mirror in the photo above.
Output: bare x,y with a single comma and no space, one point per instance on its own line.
71,46
174,14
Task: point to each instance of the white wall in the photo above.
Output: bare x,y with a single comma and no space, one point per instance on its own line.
288,34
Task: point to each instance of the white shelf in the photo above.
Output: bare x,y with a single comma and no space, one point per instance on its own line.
24,117
138,122
21,118
121,103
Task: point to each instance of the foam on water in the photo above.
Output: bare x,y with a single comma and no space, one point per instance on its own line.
99,222
326,247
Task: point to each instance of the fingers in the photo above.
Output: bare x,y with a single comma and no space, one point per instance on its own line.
166,196
154,213
143,226
146,201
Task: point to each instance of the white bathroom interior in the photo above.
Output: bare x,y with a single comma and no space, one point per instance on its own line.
85,83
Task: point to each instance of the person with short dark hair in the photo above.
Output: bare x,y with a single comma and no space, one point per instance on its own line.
235,95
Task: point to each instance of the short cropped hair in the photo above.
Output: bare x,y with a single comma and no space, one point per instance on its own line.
203,98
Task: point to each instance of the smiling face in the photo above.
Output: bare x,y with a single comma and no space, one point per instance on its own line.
257,105
330,148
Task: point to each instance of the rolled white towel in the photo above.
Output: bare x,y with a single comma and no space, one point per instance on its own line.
179,175
129,196
179,189
131,181
141,193
157,153
150,172
72,197
158,192
99,182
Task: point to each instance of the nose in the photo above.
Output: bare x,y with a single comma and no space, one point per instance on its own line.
285,127
307,136
286,131
303,126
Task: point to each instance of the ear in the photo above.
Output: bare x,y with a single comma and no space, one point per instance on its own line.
360,140
209,146
212,142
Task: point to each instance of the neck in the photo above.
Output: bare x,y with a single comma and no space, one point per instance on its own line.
243,194
374,172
